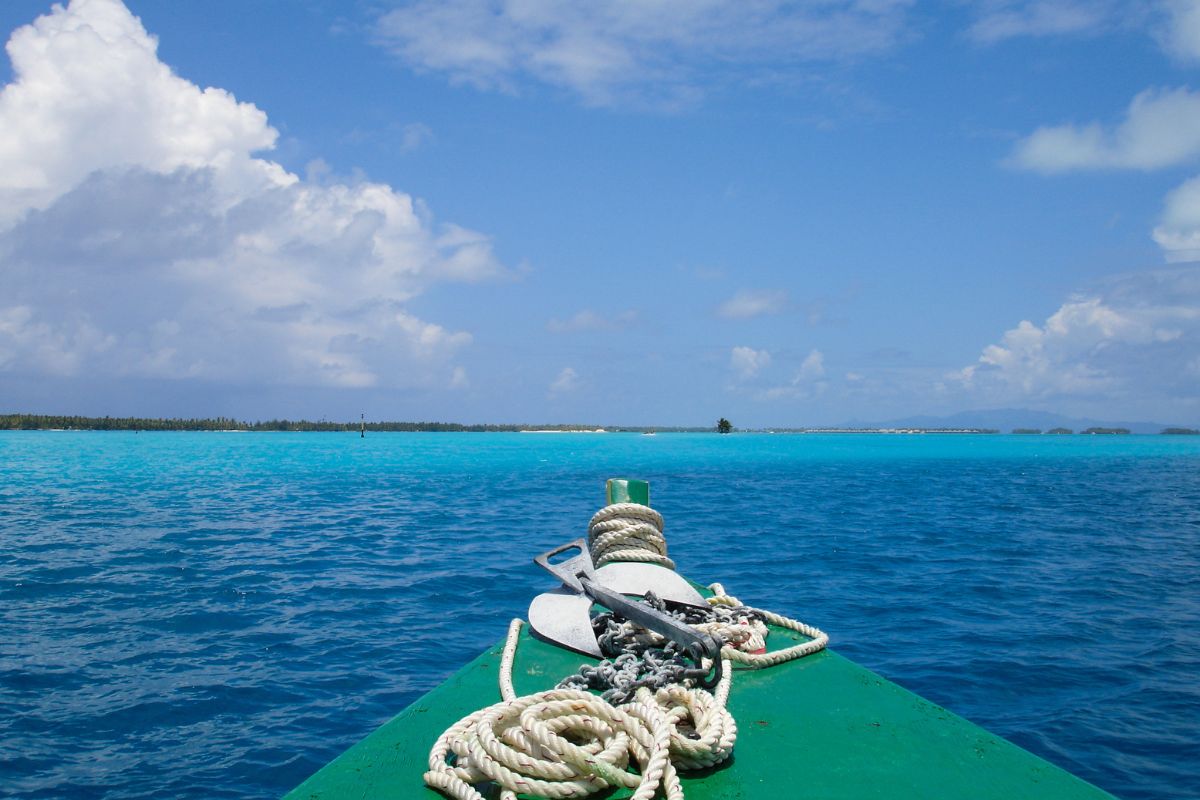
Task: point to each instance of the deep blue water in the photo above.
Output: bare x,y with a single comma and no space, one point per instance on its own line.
218,615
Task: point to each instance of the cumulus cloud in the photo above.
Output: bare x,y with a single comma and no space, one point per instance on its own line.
1132,338
812,368
1178,233
91,94
607,52
748,362
1006,19
566,381
748,303
1161,128
588,320
807,382
142,232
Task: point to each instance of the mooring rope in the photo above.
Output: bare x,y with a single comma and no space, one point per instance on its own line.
566,742
570,743
818,639
627,532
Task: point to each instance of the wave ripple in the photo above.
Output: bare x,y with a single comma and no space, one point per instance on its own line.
198,615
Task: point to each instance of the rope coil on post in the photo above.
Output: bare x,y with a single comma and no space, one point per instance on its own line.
628,532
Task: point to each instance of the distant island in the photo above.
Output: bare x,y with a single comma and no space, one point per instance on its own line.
50,422
43,422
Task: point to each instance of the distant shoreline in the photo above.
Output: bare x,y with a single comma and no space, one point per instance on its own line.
47,422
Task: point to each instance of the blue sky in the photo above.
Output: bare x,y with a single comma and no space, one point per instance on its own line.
637,213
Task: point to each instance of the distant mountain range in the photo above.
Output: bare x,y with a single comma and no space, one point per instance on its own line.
1006,419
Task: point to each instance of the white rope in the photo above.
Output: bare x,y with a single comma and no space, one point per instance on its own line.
627,532
743,653
506,660
568,743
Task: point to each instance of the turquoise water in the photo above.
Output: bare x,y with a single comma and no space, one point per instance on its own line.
218,615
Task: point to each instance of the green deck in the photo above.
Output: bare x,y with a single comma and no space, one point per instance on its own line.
819,727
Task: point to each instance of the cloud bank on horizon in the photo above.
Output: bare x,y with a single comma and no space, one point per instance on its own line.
1138,330
143,234
147,233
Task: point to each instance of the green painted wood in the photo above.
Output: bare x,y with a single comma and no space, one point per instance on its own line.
819,727
627,490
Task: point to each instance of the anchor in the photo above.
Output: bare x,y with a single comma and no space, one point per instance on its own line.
563,615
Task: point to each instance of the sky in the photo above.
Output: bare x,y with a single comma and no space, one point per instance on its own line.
639,213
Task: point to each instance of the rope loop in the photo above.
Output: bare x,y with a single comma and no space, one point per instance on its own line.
748,655
570,743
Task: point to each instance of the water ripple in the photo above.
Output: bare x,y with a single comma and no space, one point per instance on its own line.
198,615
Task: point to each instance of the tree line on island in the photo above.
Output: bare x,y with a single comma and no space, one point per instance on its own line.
35,422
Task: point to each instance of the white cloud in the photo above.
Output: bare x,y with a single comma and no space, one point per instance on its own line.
748,303
414,135
1178,233
141,234
607,52
748,362
459,379
812,368
807,382
1161,128
91,94
1180,35
1130,339
1175,24
588,320
566,381
1006,19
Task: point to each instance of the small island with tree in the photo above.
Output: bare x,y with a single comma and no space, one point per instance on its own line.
724,426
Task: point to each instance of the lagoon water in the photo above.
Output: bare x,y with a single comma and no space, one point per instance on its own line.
218,615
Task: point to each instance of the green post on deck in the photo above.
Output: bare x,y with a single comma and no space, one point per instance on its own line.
627,490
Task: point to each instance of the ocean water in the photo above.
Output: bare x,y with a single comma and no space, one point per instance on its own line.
218,615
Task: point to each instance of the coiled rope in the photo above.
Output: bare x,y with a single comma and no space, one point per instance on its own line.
627,532
570,743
